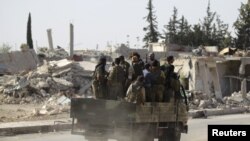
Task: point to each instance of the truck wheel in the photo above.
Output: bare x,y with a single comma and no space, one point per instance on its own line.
143,132
170,135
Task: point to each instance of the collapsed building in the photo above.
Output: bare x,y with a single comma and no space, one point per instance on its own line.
216,76
55,77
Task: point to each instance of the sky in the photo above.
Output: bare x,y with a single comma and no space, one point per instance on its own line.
98,22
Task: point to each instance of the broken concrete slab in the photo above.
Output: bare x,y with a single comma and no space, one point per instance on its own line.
215,112
54,105
63,100
42,84
61,72
63,82
61,64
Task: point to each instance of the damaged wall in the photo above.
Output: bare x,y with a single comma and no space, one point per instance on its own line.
201,74
17,61
205,76
228,72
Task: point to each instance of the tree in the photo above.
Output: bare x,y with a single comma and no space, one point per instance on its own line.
207,26
242,27
171,28
214,30
228,41
5,48
197,35
152,34
223,37
184,32
211,31
29,34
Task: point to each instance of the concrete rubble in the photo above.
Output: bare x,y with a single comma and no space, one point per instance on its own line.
62,77
55,54
54,105
202,105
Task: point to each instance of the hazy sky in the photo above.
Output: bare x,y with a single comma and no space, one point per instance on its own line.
98,21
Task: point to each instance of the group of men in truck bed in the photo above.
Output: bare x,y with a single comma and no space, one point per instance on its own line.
136,82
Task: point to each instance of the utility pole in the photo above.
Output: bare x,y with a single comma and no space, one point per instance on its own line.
71,44
49,33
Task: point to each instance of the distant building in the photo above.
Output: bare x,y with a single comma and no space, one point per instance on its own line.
157,47
126,51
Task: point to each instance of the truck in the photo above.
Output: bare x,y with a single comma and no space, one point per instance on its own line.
101,119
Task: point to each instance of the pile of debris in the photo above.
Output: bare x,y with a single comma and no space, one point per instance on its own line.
54,105
55,54
199,100
65,77
236,100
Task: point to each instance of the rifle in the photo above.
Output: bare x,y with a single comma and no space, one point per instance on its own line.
176,101
185,97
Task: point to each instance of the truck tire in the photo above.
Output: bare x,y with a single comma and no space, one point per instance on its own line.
144,132
170,135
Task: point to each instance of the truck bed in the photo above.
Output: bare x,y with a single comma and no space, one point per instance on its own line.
109,111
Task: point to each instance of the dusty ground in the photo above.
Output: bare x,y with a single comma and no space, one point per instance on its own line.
24,112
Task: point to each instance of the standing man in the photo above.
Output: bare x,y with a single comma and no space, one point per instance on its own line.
152,59
99,84
168,69
157,82
125,66
137,67
148,82
115,81
169,62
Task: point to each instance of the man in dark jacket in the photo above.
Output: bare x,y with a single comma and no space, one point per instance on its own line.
99,84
